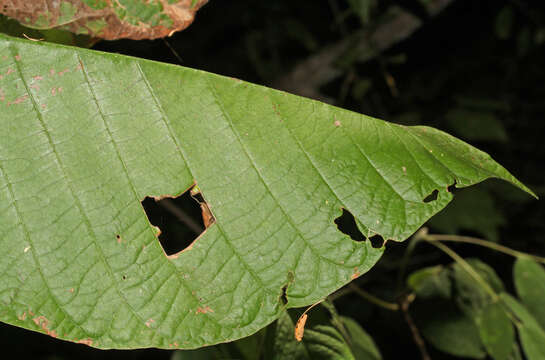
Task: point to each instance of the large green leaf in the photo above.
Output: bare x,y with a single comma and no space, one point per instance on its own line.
86,136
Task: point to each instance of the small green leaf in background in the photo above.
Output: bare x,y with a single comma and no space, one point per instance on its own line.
532,336
448,329
12,27
363,9
529,279
207,353
471,297
363,346
496,331
504,22
457,315
476,125
431,282
322,340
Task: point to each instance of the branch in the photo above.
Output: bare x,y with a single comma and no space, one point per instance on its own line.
308,76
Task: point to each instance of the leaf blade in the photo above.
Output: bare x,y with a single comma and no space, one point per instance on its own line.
91,134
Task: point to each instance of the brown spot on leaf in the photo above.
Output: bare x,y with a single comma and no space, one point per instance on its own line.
18,100
37,77
87,341
203,310
17,57
61,73
149,322
10,70
22,317
356,274
337,123
108,22
43,323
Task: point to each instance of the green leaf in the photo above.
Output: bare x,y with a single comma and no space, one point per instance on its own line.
207,353
362,345
13,28
89,135
496,331
532,336
431,282
529,279
448,329
282,343
449,301
476,125
321,340
504,22
471,297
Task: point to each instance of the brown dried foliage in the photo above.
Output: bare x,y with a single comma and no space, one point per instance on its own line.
28,12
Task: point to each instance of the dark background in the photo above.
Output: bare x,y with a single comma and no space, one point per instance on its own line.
471,70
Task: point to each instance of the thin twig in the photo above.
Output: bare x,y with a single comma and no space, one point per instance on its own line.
418,340
307,77
484,243
181,215
468,268
373,299
173,51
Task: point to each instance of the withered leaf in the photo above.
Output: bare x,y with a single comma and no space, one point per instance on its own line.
106,19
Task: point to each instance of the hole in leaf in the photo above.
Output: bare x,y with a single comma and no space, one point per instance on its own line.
376,241
431,197
452,188
284,296
181,219
347,225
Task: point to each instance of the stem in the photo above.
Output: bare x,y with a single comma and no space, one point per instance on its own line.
484,243
468,268
419,235
419,341
373,299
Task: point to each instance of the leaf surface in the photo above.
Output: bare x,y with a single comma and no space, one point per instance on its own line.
86,136
532,336
529,279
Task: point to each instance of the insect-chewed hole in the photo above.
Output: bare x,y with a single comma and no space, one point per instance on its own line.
376,241
452,188
181,219
284,295
431,197
347,225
